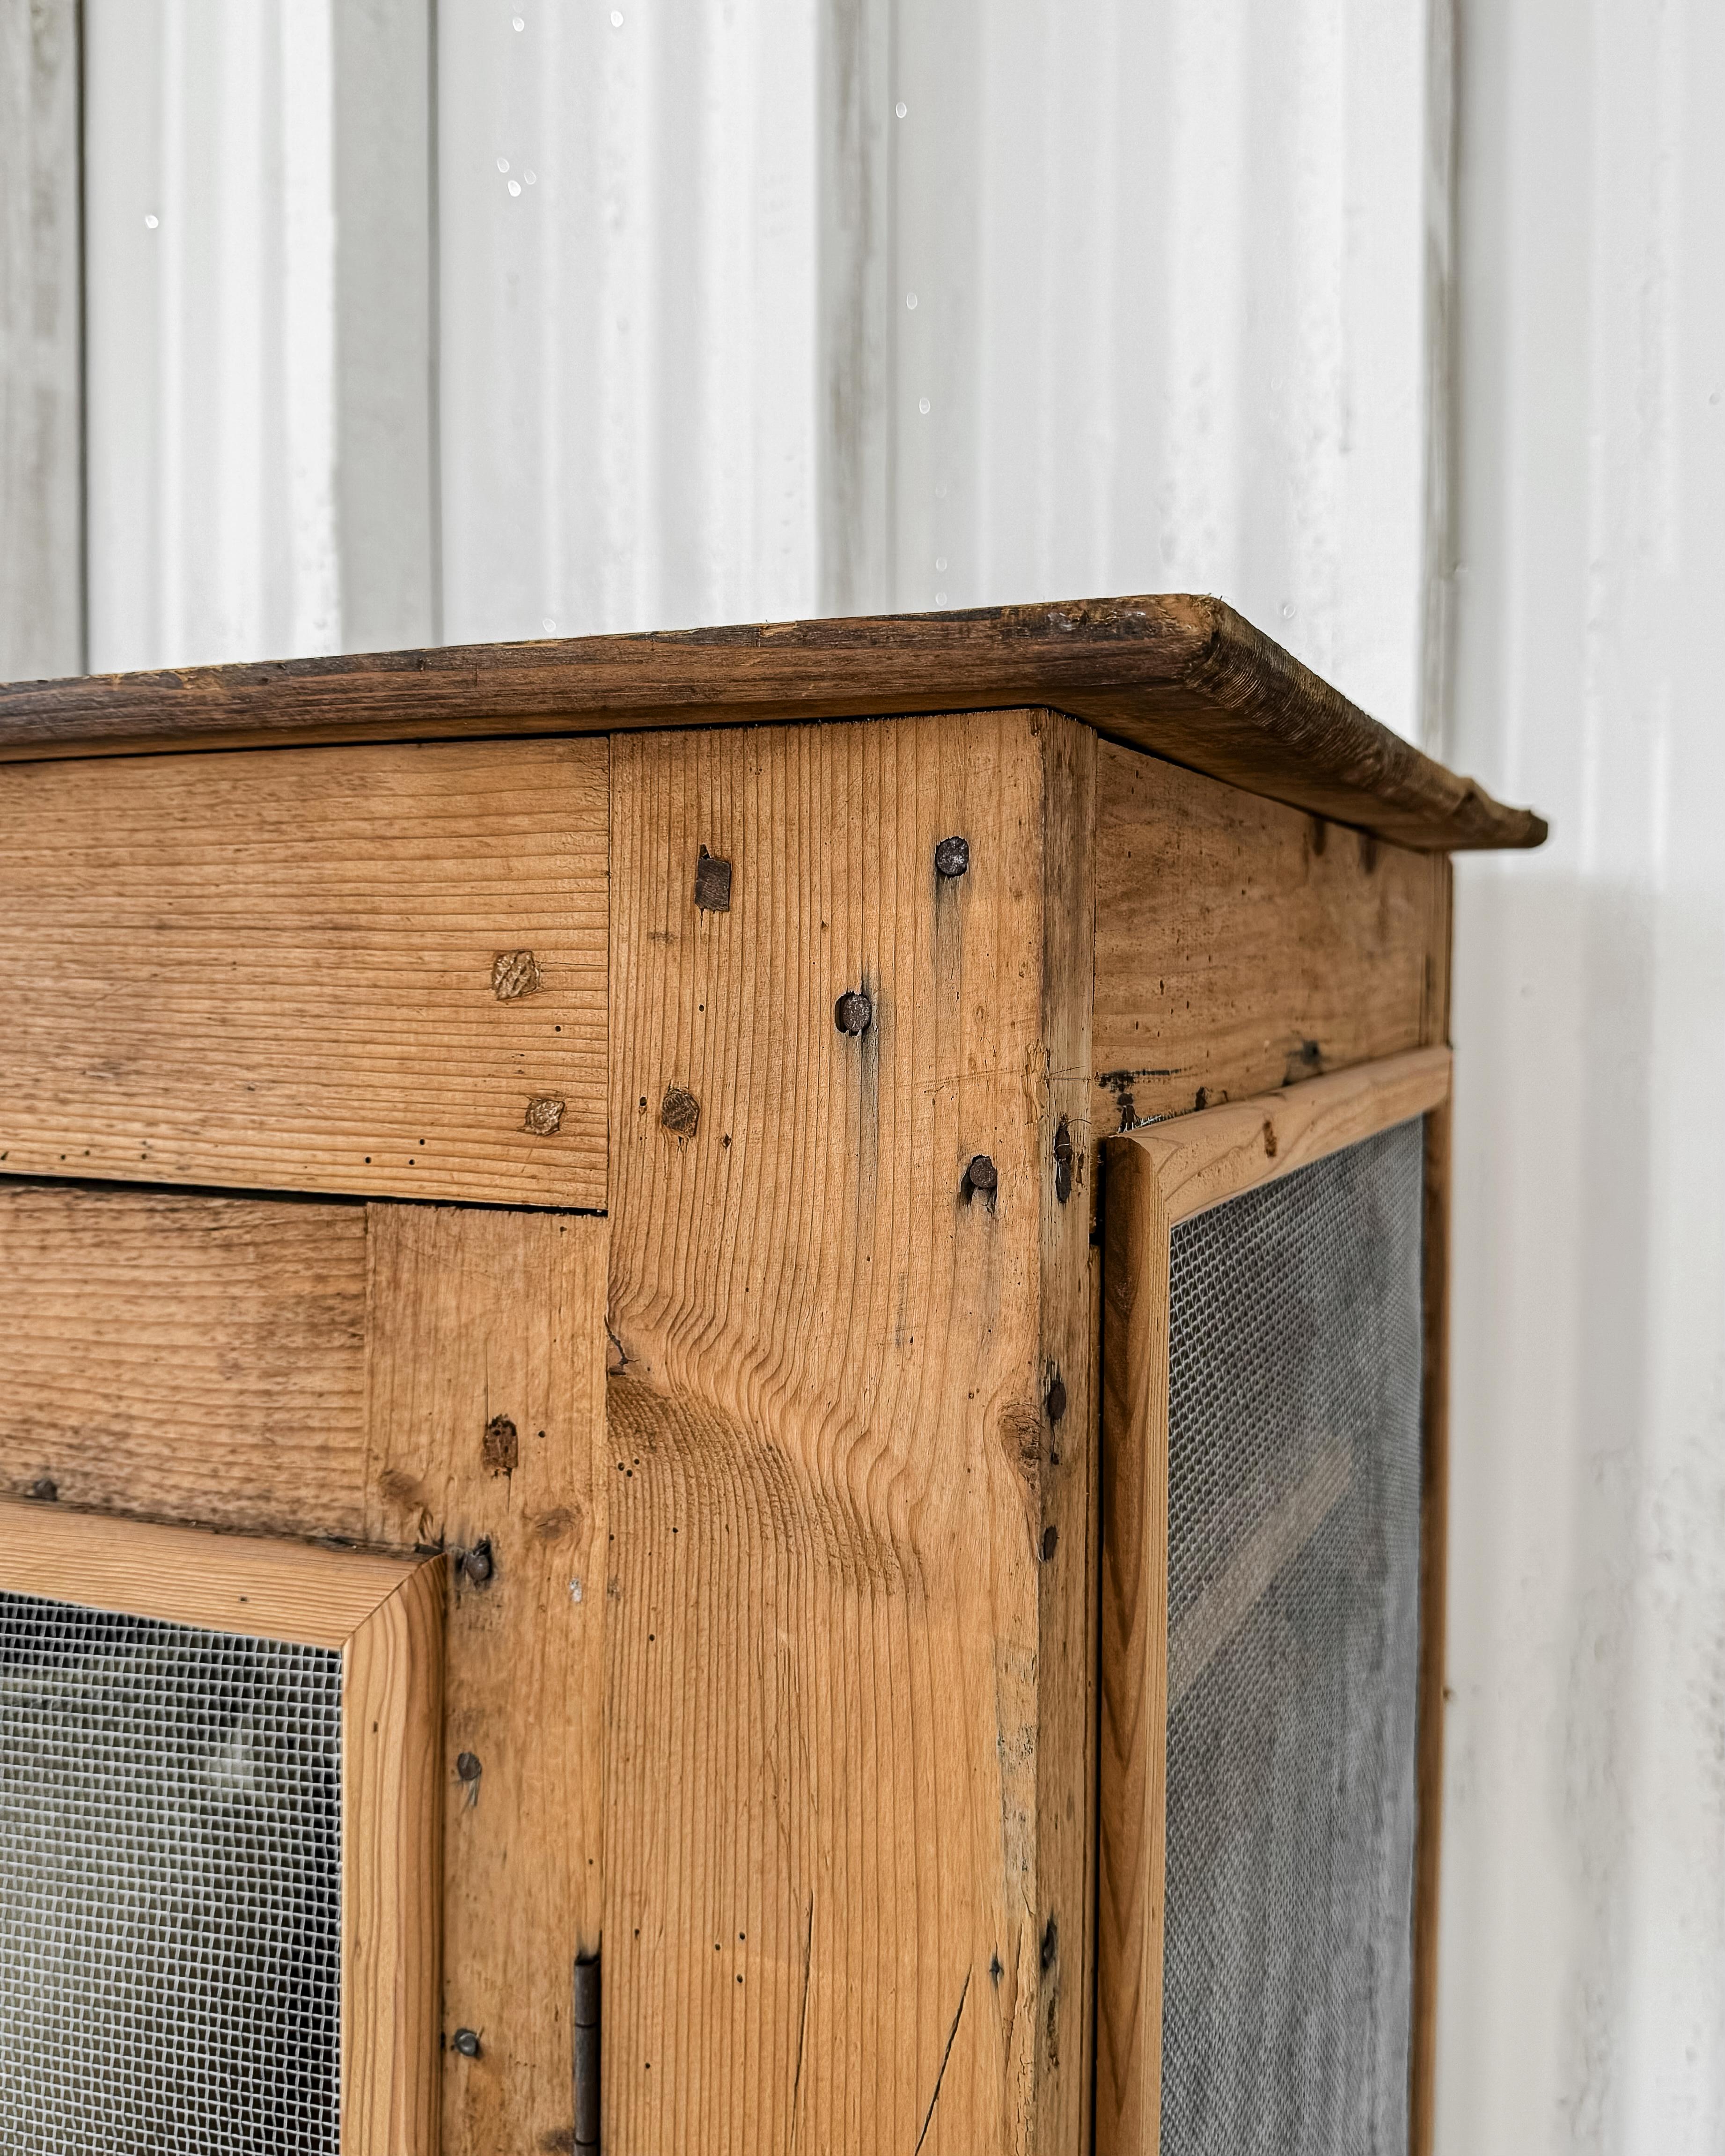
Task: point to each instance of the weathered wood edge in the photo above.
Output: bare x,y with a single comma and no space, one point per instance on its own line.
1132,1797
391,1867
1184,676
1203,1159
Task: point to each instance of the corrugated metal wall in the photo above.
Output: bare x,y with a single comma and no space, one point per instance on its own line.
759,309
581,314
1584,1988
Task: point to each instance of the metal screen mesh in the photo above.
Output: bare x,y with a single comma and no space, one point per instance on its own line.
1293,1646
170,1869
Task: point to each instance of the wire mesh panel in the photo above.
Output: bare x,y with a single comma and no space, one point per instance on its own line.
170,1868
1293,1650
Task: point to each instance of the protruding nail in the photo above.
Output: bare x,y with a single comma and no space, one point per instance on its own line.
467,2042
712,883
952,857
468,1767
981,1175
1063,1160
476,1564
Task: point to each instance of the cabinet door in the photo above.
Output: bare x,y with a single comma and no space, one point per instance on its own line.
1267,1456
426,1383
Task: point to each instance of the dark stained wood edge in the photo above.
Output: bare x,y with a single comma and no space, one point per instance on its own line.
1434,1564
1185,677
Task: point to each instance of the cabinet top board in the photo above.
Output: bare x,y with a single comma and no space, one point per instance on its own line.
1186,678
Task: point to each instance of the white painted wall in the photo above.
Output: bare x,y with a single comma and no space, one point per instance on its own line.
1583,1975
1172,261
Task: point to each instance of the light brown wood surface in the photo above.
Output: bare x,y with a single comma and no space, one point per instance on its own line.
1181,676
849,1705
265,1589
1133,1765
391,1870
1202,1160
486,1419
276,972
1241,945
183,1356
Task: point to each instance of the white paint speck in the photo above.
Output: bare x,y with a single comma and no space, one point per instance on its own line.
574,1590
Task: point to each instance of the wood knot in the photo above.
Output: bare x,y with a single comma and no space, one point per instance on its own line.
680,1111
545,1112
515,973
712,883
502,1445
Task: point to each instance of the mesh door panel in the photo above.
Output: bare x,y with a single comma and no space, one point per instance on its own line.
170,1867
1293,1644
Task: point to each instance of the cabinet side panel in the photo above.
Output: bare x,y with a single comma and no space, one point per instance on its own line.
184,1357
1243,944
485,1407
827,1910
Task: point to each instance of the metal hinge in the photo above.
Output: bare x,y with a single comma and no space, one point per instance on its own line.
587,2052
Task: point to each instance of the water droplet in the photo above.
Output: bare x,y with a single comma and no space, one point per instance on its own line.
616,19
530,177
921,403
516,24
550,626
910,301
1288,611
503,164
150,223
940,598
515,187
940,562
901,108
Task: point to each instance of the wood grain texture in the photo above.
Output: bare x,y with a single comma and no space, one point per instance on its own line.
1184,676
849,1695
1202,1160
1434,1573
487,1419
391,1870
184,1357
276,972
1133,1776
264,1588
1241,945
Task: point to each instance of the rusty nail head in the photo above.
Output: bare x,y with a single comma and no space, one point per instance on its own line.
854,1013
476,1564
1056,1397
515,973
680,1112
467,1767
981,1175
952,857
467,2043
545,1113
712,883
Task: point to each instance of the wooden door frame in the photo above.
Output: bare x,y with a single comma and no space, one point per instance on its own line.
1155,1178
384,1616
